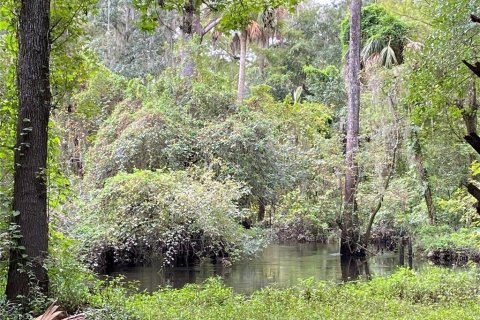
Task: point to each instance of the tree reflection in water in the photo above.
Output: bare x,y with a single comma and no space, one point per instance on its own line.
354,268
280,265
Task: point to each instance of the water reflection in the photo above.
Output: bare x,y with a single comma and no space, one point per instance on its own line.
354,268
281,265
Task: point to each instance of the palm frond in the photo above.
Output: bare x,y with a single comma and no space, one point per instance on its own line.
372,47
254,31
372,61
297,95
387,57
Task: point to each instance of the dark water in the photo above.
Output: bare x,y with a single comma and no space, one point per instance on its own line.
280,264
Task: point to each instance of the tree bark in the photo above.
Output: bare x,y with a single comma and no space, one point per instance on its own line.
241,73
262,59
349,243
261,209
30,189
423,177
189,26
474,140
470,114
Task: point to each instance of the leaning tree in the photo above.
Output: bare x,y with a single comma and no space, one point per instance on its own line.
472,137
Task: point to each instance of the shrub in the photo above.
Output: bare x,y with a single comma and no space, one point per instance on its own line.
175,214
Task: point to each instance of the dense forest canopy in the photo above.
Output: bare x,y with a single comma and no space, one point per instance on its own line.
134,131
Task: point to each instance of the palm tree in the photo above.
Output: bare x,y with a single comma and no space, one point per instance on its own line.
377,52
259,30
252,32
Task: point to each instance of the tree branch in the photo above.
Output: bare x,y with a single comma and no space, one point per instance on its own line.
474,68
474,191
474,140
210,25
475,18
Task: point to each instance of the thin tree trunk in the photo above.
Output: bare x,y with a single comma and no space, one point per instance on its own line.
470,114
261,209
423,177
391,170
241,73
30,190
350,233
262,59
188,28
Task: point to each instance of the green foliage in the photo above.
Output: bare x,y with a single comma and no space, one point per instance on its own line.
102,92
237,15
70,62
383,34
325,85
433,293
433,92
445,237
172,213
244,147
70,280
142,138
8,98
428,294
310,40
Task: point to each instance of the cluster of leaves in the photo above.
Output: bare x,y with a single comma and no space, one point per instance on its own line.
446,237
172,214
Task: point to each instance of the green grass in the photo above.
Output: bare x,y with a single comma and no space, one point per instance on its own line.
434,293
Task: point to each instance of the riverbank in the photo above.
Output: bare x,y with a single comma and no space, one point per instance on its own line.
445,246
434,293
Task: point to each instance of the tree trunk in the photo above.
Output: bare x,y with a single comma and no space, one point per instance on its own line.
262,59
261,209
188,28
470,114
423,176
30,189
349,243
241,73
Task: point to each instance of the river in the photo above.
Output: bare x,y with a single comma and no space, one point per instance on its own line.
281,265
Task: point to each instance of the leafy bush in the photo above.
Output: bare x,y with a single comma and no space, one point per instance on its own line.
177,214
139,139
445,237
102,92
245,146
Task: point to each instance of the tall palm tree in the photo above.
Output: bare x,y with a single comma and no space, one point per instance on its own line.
252,32
259,30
